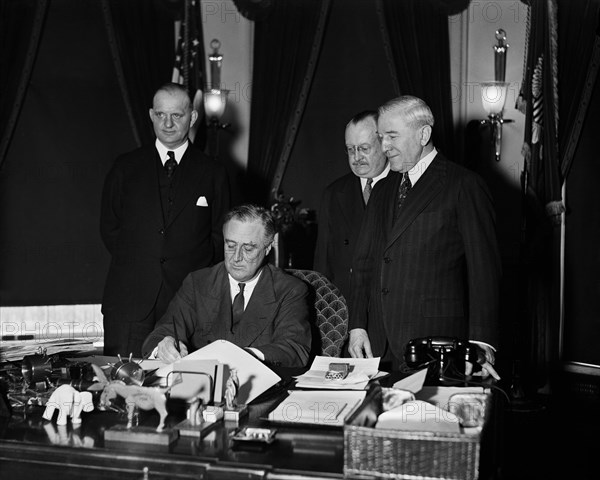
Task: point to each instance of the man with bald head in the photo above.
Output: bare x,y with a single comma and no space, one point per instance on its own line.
162,216
426,261
344,201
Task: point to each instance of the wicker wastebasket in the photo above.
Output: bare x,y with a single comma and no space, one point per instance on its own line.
388,453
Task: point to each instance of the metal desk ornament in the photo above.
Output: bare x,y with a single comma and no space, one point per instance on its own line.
233,412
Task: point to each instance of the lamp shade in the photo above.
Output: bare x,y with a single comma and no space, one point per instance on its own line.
493,97
215,102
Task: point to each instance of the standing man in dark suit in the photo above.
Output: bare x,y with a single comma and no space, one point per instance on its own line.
162,215
427,260
243,300
344,201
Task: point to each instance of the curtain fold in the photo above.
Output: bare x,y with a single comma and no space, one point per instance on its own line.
563,53
416,33
579,58
21,27
287,43
141,38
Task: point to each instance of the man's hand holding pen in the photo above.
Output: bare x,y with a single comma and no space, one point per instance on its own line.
167,351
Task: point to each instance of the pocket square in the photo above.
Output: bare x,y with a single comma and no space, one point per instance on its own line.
202,202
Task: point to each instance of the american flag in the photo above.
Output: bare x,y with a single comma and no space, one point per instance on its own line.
189,66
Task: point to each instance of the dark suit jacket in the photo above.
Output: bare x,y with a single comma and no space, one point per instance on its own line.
436,270
340,215
276,319
145,251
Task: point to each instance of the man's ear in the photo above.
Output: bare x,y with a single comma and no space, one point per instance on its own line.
268,249
151,113
194,117
425,135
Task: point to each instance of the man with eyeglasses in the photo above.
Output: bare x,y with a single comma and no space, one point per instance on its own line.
243,299
344,201
426,261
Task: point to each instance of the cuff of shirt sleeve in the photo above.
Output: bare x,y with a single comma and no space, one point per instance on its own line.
257,353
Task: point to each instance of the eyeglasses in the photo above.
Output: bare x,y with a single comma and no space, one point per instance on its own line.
249,251
354,149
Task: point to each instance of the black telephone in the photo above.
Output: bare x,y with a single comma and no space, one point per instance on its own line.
445,357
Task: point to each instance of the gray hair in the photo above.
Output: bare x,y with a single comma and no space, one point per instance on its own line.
414,110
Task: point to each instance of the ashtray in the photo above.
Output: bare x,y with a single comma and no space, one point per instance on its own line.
256,435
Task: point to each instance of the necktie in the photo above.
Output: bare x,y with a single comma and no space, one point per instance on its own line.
237,308
368,189
170,164
403,190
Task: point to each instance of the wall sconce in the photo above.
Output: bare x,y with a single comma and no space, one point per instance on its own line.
215,98
493,94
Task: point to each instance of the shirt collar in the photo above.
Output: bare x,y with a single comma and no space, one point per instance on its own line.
419,169
162,151
381,176
248,289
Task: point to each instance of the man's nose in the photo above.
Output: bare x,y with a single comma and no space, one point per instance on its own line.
168,121
239,255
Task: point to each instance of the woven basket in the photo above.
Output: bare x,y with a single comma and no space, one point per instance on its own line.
407,454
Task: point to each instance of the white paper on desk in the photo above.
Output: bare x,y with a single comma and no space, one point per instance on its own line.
254,376
317,407
413,383
364,370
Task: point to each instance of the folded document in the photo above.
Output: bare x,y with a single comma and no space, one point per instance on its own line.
339,373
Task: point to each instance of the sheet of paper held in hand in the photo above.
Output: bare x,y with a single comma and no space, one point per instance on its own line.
317,407
254,376
361,370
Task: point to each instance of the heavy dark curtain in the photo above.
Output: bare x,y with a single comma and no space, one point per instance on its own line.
70,128
21,25
415,33
287,42
141,38
557,84
578,56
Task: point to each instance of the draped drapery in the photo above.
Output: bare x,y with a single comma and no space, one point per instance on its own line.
560,71
141,38
415,36
579,60
21,26
287,42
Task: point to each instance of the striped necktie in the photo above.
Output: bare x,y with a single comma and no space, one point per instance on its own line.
368,189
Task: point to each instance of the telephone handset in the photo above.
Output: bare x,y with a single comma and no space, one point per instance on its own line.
445,357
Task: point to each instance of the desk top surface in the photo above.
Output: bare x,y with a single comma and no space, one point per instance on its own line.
304,450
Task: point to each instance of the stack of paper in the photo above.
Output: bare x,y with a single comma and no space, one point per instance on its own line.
317,407
361,371
12,350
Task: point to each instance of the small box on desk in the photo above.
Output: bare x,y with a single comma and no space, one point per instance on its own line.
408,453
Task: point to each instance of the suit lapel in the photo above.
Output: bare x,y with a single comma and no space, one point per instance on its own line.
261,308
191,171
427,188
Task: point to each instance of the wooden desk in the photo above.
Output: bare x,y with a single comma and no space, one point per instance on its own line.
31,447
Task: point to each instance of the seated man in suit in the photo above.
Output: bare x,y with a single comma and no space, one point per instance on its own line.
243,300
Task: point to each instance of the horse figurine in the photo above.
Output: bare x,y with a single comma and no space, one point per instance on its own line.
146,398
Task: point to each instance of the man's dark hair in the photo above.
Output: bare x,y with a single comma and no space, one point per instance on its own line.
362,116
249,213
